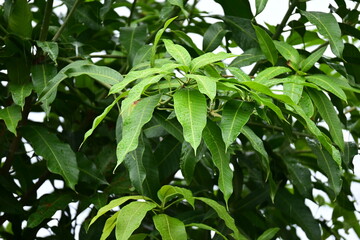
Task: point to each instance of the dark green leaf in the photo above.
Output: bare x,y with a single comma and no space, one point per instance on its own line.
51,48
11,116
213,36
268,234
206,227
133,38
172,126
189,160
248,57
288,52
20,18
230,10
266,44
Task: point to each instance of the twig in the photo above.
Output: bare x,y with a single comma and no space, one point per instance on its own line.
131,12
46,20
279,129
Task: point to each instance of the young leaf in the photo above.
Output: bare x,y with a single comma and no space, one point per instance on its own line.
178,52
260,5
266,44
309,62
109,226
130,218
208,58
132,125
288,52
328,84
51,48
224,215
170,228
206,227
269,73
213,36
234,116
328,113
268,234
60,157
191,111
329,28
206,84
167,192
221,159
11,116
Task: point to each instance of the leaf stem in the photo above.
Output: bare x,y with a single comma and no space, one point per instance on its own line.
46,20
61,29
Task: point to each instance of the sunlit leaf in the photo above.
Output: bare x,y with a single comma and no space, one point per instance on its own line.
260,5
309,62
178,52
328,84
206,84
288,52
169,227
269,73
208,58
266,44
167,192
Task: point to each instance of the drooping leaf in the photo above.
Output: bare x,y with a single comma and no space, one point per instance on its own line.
309,62
244,11
206,227
172,126
208,58
263,101
224,215
178,52
329,28
213,36
189,160
306,104
234,116
288,52
48,205
169,227
109,226
248,57
130,218
328,113
294,89
133,38
191,111
11,116
221,159
266,44
269,73
206,84
51,48
132,125
328,84
260,5
20,17
59,156
167,192
268,234
188,41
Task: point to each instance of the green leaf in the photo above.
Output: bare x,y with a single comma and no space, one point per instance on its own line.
294,89
248,57
234,116
268,234
264,76
268,102
130,218
180,4
132,125
88,172
109,226
224,215
115,203
188,41
309,62
189,160
60,157
258,145
213,36
168,192
20,92
11,116
191,111
306,104
328,113
133,38
139,236
260,5
51,48
142,55
206,227
328,84
288,52
266,44
206,84
230,10
172,126
329,166
239,74
20,18
221,159
329,28
48,205
208,58
178,52
99,119
170,228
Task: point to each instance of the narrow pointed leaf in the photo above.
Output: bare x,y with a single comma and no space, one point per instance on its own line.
248,57
239,74
132,125
170,228
266,44
221,159
288,52
206,227
206,84
167,192
191,111
189,160
19,21
269,73
309,62
130,218
59,156
328,84
208,58
11,116
109,226
268,102
329,28
234,116
294,90
260,5
213,36
178,52
133,38
268,234
172,126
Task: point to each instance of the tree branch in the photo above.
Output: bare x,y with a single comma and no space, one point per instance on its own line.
46,20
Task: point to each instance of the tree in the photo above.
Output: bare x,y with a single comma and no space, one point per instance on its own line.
131,100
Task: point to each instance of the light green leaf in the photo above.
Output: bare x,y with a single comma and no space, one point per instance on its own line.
109,226
167,192
328,113
213,36
206,227
99,119
306,104
130,218
206,84
239,74
51,48
138,236
133,38
11,116
260,5
132,125
328,84
294,89
248,57
264,76
268,234
208,58
180,4
191,111
221,159
234,116
224,215
266,44
20,18
170,228
288,52
329,28
258,145
59,156
178,52
48,205
309,62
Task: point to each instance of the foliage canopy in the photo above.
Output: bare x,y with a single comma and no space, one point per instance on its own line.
131,100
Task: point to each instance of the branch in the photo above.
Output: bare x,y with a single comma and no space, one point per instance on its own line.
276,128
46,20
131,12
